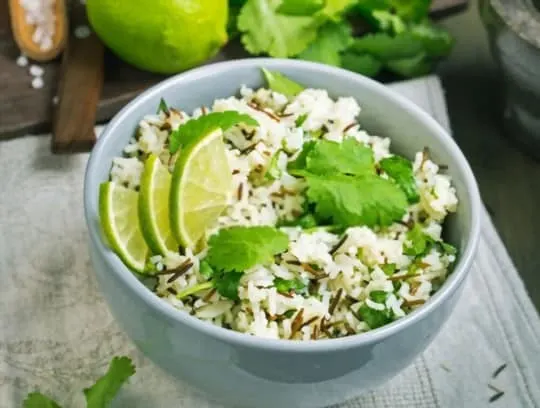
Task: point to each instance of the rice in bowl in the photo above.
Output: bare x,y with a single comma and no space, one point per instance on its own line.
332,280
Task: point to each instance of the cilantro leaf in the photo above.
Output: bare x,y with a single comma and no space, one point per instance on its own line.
335,9
162,107
264,31
38,400
332,38
347,201
227,284
280,83
206,270
389,269
374,318
400,169
286,286
240,248
300,7
105,389
363,64
193,129
386,21
301,160
411,67
436,42
420,242
348,157
384,47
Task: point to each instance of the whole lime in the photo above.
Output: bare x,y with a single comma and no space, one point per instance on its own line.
163,36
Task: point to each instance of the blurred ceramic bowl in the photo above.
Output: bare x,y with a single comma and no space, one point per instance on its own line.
246,371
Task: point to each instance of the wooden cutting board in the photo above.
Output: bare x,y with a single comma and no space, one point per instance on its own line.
24,110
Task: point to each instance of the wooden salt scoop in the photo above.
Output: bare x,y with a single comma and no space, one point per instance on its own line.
79,89
23,32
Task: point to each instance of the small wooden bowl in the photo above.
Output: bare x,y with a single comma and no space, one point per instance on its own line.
22,32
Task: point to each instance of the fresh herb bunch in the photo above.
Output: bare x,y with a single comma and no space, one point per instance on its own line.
397,35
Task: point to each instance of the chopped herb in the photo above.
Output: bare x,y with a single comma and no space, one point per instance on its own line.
374,318
300,161
447,248
418,242
206,270
378,296
194,289
286,286
300,119
162,107
273,172
289,313
389,269
400,169
280,83
227,284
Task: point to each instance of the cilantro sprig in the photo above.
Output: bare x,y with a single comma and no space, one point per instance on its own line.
401,39
99,395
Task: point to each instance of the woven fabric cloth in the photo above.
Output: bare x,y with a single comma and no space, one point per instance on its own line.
57,335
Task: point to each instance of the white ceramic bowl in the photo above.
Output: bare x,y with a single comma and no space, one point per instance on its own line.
243,370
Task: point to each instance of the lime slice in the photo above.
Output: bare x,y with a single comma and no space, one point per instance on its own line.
120,222
154,207
201,185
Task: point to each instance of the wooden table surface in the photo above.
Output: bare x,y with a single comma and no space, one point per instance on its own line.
509,179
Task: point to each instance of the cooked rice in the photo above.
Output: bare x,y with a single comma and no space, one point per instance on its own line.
354,269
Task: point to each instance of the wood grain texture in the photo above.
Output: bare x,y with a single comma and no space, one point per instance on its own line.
81,81
24,110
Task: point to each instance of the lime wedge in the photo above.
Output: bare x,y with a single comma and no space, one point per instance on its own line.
120,222
200,189
154,207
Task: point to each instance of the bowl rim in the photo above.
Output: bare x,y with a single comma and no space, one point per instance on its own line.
137,288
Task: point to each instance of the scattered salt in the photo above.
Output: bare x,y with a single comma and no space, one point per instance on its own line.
37,83
82,31
36,70
55,100
22,61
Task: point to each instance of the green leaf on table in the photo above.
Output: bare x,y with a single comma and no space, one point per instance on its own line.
411,67
348,201
363,64
278,82
240,248
300,7
194,129
385,47
401,171
285,286
348,157
227,284
105,389
388,22
332,38
335,9
265,31
38,400
410,10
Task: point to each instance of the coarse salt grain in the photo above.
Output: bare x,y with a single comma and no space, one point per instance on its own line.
37,83
82,31
36,70
41,15
22,61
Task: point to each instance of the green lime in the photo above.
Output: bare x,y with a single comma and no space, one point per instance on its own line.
164,36
200,189
154,207
120,222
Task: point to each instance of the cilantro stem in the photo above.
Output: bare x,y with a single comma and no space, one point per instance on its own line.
194,289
